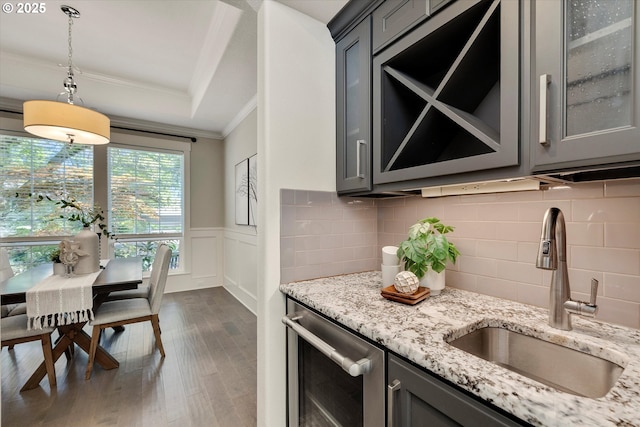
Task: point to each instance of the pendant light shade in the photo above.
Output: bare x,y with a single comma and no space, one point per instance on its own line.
66,122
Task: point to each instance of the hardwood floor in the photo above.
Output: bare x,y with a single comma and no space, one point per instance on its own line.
208,377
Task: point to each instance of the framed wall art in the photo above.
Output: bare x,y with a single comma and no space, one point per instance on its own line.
247,191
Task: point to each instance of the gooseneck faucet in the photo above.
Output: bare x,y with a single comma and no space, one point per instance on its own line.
552,255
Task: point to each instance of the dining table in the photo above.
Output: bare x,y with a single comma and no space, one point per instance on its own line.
119,274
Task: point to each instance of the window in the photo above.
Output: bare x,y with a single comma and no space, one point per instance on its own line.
146,202
140,186
33,166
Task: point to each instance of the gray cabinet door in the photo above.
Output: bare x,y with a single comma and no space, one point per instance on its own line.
446,95
353,108
395,17
420,399
585,104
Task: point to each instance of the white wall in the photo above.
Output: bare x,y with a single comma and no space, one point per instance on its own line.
296,150
240,241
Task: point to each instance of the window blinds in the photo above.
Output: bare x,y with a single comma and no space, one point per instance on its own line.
41,167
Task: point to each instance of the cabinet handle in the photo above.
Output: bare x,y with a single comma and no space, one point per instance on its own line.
358,144
545,82
391,391
355,369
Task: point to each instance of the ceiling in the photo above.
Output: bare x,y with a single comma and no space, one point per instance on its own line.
148,63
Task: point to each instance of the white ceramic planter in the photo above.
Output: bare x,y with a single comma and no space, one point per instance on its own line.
89,243
58,269
434,281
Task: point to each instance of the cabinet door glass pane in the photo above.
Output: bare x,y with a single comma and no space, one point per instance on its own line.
352,108
599,65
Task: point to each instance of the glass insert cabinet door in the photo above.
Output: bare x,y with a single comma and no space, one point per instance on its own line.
585,103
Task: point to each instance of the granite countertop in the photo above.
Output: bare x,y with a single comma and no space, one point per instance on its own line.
418,333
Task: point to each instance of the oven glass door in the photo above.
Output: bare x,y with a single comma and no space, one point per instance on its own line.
328,396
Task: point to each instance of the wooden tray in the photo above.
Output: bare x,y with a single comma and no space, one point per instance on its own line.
390,293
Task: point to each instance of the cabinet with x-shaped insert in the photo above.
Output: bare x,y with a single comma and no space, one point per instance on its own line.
446,95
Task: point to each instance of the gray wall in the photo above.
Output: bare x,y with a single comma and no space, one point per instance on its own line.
207,183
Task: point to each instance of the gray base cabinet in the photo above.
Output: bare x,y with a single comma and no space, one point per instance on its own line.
416,398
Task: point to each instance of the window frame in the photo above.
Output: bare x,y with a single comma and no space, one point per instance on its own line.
12,124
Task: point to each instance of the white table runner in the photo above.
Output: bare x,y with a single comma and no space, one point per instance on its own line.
59,300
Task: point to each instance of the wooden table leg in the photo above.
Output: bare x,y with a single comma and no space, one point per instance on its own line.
71,334
41,372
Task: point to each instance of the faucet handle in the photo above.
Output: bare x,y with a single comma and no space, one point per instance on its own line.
582,308
594,291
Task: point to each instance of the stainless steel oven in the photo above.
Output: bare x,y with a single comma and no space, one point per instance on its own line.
334,377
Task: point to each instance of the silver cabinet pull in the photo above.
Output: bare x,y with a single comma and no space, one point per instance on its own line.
545,82
355,369
359,142
391,389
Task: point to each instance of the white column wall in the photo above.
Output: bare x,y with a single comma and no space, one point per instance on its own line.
296,149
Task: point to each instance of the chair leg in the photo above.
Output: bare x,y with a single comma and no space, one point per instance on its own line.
155,322
95,338
48,358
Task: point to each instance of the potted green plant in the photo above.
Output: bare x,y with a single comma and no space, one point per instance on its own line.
427,250
58,267
88,239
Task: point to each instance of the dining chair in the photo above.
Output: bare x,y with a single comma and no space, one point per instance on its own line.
6,272
14,331
127,311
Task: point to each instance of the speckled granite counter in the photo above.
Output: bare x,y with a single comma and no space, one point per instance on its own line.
418,333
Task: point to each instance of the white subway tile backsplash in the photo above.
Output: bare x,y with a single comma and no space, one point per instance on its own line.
475,230
622,235
497,288
623,209
497,249
585,234
534,211
574,191
618,311
609,260
497,234
460,212
527,252
622,188
580,281
532,295
479,266
519,272
496,212
622,287
456,279
519,231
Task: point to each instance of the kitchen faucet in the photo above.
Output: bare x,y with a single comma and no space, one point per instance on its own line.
552,255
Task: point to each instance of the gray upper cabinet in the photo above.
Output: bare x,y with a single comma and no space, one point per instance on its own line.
585,104
446,96
395,17
353,91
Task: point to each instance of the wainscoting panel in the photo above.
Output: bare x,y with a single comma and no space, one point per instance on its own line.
205,261
240,267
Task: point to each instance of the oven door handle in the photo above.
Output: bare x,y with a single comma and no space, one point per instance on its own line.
355,369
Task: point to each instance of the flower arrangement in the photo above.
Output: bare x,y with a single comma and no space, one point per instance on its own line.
74,211
427,247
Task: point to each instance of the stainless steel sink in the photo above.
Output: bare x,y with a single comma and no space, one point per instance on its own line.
560,367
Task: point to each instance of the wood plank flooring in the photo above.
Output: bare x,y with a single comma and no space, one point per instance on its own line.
208,377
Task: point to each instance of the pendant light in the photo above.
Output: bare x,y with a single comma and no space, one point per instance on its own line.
62,121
